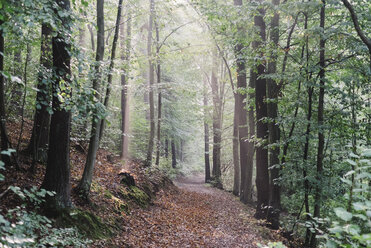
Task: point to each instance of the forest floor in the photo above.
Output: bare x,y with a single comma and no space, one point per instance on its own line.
194,215
157,213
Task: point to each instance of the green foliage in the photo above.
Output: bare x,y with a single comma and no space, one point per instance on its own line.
352,227
21,227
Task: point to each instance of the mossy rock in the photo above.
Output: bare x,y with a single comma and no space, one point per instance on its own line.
137,195
88,224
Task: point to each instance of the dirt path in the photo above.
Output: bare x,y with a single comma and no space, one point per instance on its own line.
195,215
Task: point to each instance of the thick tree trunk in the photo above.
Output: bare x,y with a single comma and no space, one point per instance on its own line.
262,174
84,185
3,131
111,66
321,137
173,154
125,59
148,161
274,129
216,172
40,131
57,176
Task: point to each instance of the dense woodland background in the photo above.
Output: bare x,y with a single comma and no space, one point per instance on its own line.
270,99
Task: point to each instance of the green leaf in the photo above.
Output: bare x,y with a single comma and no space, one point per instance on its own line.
343,214
352,155
351,162
366,153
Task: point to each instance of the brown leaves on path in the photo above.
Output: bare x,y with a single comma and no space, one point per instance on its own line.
193,216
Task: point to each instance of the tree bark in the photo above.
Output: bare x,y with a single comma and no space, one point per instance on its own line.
111,66
216,172
273,127
4,133
83,187
166,148
321,137
159,104
236,160
245,169
262,174
173,154
57,176
148,161
40,131
206,136
125,59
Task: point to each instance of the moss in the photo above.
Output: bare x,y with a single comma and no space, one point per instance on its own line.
86,223
108,194
137,195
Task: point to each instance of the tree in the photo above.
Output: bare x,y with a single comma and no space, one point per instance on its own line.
274,130
151,72
361,34
40,131
159,104
321,136
111,65
217,118
262,174
57,176
246,167
4,133
173,154
206,136
85,182
125,58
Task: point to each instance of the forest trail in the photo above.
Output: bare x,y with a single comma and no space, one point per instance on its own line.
194,215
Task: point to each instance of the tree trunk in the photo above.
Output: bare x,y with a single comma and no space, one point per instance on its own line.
84,185
173,154
207,139
274,129
125,59
16,90
240,119
236,160
91,37
216,172
262,174
307,136
4,134
251,134
111,66
57,176
166,148
148,161
321,137
40,131
159,105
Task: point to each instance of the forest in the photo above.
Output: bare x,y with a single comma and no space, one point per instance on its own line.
185,123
